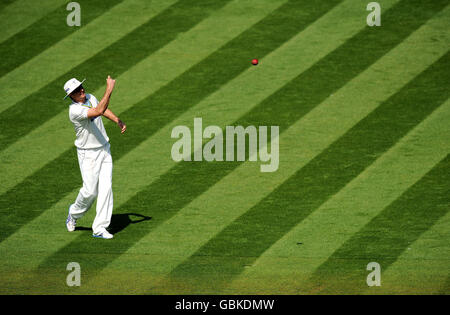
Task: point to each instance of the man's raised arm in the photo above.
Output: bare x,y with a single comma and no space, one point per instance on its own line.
103,104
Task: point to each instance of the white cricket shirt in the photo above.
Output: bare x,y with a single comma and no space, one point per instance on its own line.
90,132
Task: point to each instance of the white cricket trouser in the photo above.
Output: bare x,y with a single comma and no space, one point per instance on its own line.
96,171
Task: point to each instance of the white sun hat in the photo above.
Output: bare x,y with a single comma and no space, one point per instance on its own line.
71,85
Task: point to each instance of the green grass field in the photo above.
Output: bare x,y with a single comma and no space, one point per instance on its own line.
364,164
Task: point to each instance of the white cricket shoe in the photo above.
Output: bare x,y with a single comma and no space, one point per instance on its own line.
105,234
70,222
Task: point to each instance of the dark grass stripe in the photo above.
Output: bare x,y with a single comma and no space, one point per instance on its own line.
387,235
186,182
38,107
5,3
166,196
46,32
243,241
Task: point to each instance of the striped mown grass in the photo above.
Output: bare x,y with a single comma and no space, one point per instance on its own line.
32,185
157,162
173,185
101,33
350,209
12,23
153,72
5,3
255,231
45,32
225,55
422,266
268,109
387,235
221,227
143,41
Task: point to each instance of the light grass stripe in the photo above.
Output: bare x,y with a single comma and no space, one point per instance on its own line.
350,209
25,156
22,13
76,48
424,266
179,237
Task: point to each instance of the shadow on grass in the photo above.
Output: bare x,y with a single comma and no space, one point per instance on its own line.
120,222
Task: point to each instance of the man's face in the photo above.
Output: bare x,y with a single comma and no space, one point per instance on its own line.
79,95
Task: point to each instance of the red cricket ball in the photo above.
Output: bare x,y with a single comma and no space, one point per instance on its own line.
254,62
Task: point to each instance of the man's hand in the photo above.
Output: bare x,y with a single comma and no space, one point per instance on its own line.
122,126
110,83
111,116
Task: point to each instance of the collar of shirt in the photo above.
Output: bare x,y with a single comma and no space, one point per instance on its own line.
87,103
